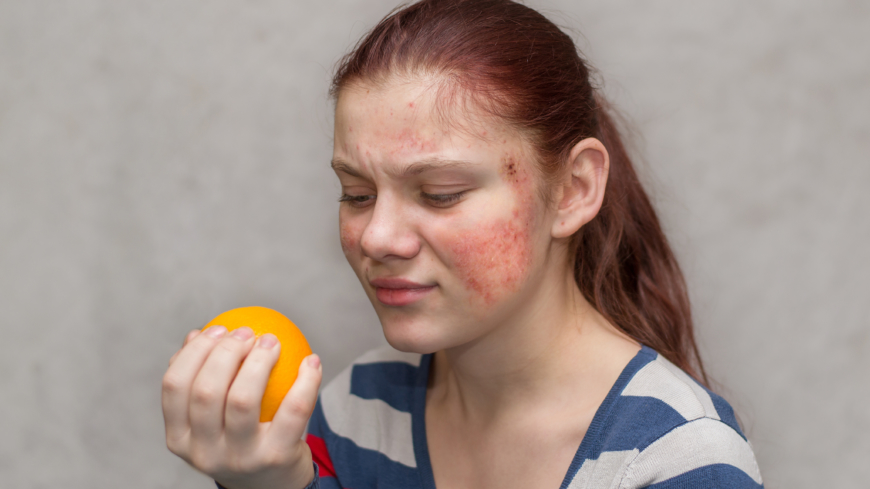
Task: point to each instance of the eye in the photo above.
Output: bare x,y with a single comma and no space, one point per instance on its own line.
443,200
357,200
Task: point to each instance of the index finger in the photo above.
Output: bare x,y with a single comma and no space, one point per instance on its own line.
180,375
187,339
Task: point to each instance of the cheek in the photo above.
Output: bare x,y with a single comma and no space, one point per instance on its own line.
349,234
493,259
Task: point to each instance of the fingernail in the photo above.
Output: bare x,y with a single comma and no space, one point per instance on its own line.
244,333
216,331
267,341
314,361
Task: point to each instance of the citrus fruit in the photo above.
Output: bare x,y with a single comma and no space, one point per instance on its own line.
294,348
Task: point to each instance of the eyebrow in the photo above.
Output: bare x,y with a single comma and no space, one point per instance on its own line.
414,169
340,165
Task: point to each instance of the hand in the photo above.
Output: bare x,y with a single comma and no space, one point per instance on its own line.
212,411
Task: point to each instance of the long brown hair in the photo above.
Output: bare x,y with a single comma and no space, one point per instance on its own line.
511,61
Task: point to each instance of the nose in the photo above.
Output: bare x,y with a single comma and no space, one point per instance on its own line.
390,233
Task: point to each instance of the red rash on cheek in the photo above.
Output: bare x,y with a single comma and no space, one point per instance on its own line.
493,259
349,236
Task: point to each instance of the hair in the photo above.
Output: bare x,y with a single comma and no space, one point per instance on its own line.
511,61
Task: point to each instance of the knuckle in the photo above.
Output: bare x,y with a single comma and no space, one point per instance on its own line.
242,403
297,407
174,447
204,394
205,461
173,383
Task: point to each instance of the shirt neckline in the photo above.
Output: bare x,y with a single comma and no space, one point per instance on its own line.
590,439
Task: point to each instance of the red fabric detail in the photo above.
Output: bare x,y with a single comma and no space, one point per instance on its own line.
321,455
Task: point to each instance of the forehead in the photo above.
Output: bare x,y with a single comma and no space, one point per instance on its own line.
401,119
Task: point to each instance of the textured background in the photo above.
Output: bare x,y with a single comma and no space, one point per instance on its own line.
163,161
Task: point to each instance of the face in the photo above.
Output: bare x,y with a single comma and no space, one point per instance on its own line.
440,222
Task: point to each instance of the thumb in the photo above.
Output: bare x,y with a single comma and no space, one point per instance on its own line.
298,404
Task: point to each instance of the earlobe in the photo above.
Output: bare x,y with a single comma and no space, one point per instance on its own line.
582,189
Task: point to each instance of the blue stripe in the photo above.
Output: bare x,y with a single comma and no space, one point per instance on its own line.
329,483
590,446
726,413
717,476
391,382
636,422
357,467
418,417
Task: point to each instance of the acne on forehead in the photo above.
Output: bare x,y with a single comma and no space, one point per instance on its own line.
364,129
415,115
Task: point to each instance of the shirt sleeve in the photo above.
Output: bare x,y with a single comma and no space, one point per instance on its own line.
703,453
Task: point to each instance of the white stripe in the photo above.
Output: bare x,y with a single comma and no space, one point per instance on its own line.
691,446
604,472
664,381
370,423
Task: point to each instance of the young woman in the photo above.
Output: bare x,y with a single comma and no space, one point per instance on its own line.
540,325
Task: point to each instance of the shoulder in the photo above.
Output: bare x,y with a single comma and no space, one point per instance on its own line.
700,453
661,428
665,392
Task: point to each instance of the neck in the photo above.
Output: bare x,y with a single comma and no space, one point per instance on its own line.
560,341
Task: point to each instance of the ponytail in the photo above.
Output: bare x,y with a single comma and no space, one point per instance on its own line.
624,266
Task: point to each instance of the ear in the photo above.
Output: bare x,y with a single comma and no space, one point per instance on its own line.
581,190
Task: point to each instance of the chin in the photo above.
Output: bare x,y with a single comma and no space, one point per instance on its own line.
414,335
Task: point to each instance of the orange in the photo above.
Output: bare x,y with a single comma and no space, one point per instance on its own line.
294,348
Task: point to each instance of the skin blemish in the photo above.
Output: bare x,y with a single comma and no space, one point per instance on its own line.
493,259
515,174
349,237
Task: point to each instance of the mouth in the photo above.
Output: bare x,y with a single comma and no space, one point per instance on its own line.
397,292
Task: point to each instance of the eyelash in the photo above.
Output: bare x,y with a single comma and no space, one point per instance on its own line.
443,200
437,200
356,200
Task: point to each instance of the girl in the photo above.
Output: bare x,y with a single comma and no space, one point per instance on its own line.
540,325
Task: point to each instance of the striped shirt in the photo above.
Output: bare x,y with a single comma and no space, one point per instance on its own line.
656,428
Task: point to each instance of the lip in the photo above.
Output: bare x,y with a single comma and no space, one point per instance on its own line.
398,292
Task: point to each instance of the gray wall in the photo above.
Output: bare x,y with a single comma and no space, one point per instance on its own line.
163,161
